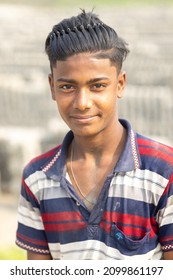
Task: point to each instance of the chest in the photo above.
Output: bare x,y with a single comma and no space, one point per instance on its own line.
123,200
88,180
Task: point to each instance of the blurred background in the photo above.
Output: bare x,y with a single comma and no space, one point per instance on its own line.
29,121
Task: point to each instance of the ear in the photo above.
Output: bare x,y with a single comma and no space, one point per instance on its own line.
51,84
121,84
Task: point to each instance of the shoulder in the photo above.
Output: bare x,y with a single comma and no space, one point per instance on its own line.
39,161
157,156
152,147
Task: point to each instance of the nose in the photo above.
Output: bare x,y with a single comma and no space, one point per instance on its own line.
83,100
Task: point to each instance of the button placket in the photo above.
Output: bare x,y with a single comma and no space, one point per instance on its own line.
77,203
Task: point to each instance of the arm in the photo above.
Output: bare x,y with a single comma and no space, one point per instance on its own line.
35,256
168,255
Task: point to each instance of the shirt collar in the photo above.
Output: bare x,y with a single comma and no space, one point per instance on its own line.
56,167
128,161
130,157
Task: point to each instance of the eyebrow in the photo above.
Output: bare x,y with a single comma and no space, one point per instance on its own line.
71,81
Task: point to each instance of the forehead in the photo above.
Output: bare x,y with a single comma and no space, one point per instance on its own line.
84,63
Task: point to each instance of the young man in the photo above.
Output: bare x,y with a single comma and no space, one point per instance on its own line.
106,192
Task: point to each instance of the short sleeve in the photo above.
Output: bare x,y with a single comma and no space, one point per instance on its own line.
166,218
30,231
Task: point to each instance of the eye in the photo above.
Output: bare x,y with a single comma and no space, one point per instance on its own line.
98,87
67,88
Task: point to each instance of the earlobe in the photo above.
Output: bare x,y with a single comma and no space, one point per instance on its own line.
121,84
51,84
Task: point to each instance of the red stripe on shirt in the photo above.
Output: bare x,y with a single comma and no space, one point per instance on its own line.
31,240
129,230
130,225
61,216
128,219
64,226
164,150
48,154
147,142
156,153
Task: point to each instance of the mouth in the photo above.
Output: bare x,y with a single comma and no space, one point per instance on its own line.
83,119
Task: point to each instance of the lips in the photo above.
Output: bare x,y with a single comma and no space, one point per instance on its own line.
83,118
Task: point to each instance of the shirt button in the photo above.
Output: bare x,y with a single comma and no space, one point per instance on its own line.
77,203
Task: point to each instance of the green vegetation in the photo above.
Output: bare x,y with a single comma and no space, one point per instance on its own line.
88,2
12,253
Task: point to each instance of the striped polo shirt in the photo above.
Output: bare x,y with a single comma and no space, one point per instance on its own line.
132,219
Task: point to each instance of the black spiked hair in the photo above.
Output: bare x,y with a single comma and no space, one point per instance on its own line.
85,33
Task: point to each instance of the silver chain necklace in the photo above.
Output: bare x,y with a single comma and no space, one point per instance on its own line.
74,178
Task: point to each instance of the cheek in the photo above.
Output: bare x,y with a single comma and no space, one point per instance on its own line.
108,101
109,107
63,105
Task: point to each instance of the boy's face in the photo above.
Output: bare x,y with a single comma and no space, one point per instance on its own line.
86,90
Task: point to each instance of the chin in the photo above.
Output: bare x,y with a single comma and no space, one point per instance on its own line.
85,132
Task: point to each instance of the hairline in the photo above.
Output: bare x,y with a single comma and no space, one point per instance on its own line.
101,54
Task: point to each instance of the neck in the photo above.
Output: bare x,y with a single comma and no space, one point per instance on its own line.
98,146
